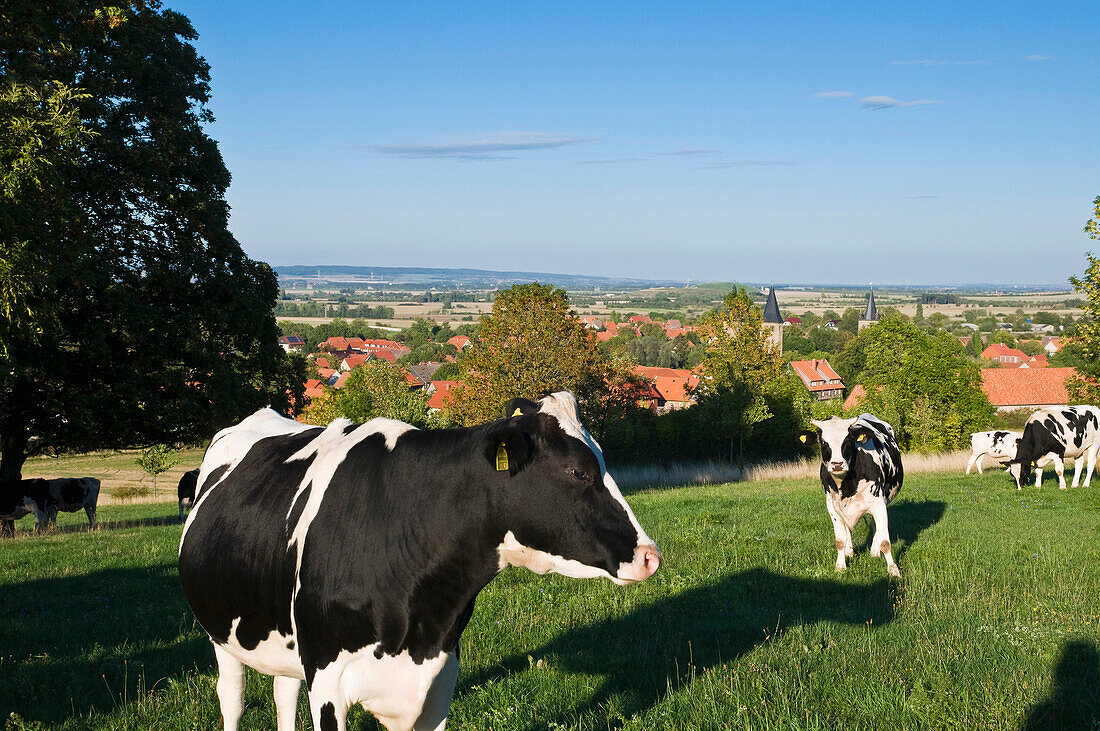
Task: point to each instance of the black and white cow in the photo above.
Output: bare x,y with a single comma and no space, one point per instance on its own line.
24,497
350,556
70,494
861,473
186,491
1054,434
998,445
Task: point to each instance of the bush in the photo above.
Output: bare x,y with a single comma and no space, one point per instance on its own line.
130,491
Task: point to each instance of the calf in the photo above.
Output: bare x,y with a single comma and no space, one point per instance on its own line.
350,556
23,497
186,490
1054,434
999,445
70,494
861,473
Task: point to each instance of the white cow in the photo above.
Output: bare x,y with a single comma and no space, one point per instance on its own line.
998,445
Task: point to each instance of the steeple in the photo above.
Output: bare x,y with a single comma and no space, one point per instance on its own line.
771,309
870,315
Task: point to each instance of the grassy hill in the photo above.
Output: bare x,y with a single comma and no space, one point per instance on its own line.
995,624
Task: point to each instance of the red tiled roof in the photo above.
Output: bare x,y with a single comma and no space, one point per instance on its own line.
341,380
326,373
459,341
335,344
441,393
314,388
322,362
652,372
1004,354
816,374
793,320
855,397
639,319
675,388
356,343
354,360
384,355
604,336
1026,386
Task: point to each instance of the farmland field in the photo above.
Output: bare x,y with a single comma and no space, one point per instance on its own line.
995,624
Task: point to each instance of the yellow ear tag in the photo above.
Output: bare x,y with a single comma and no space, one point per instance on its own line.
517,412
861,438
802,438
502,458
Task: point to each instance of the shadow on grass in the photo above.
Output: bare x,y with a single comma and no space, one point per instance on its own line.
660,647
102,525
1074,701
907,519
70,645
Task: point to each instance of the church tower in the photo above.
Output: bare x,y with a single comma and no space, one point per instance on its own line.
772,321
870,315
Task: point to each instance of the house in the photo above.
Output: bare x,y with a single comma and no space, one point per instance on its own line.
1036,361
1042,328
1026,388
1004,354
439,393
460,342
592,322
353,361
965,340
423,372
1051,344
674,325
328,375
673,386
604,336
1006,326
639,319
855,397
832,324
314,388
341,380
322,362
819,378
335,345
295,343
795,321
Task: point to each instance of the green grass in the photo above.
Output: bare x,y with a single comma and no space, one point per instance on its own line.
996,623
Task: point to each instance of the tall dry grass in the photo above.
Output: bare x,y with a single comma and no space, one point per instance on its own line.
718,473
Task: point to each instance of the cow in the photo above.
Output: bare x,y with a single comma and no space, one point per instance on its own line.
998,445
23,497
350,556
1053,434
186,490
861,473
70,494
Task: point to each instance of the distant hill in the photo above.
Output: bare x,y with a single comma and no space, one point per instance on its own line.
382,277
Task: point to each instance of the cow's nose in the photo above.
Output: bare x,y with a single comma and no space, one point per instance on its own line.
648,560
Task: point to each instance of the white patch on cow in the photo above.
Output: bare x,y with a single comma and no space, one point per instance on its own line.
271,656
833,433
330,454
563,407
334,432
514,553
401,693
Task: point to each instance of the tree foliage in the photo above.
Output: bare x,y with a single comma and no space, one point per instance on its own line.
1086,387
375,388
155,460
131,314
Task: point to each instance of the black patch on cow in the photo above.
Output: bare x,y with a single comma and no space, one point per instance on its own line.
297,508
328,717
350,428
1038,440
212,479
290,644
72,491
525,407
233,561
15,494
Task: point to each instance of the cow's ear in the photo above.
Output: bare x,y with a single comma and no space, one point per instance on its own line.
508,449
808,437
520,407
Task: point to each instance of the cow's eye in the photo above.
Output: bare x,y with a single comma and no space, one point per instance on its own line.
579,475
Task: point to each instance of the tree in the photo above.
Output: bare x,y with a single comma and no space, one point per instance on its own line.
131,314
531,344
379,388
1085,388
155,460
739,361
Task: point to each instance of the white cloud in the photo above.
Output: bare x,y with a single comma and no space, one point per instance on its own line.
1037,57
834,94
888,102
489,148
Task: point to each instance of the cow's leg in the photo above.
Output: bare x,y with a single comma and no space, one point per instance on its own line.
1060,470
1090,461
7,527
286,702
974,458
881,542
89,510
1078,463
327,701
230,687
842,533
438,703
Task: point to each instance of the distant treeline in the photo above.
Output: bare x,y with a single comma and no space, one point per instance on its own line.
286,308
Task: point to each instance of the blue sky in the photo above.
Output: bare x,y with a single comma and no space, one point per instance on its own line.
925,142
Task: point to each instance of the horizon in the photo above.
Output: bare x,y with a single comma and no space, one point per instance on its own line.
725,143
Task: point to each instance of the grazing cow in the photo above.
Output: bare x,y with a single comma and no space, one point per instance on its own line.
861,473
186,490
22,497
70,494
350,556
1054,434
999,445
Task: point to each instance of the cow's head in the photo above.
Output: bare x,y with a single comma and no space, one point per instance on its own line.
839,439
561,511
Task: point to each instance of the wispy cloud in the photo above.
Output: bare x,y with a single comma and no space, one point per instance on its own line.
691,152
835,94
938,62
1037,57
611,161
889,102
489,148
750,163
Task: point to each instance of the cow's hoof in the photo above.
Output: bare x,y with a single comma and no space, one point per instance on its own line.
849,552
840,567
894,571
1063,487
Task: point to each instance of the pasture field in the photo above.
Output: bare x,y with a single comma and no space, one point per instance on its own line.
116,470
994,625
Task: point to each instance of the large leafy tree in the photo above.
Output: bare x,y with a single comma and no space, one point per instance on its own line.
921,384
131,316
739,363
532,344
1086,387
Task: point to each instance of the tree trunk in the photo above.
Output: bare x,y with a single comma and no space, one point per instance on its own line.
13,453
